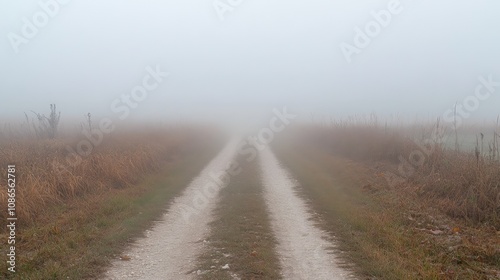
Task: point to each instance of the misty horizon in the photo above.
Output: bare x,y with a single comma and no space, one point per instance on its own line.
233,139
241,63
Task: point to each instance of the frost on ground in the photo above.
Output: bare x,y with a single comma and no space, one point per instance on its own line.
170,249
303,251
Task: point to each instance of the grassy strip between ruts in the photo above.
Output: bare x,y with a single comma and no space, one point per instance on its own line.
380,232
79,239
241,244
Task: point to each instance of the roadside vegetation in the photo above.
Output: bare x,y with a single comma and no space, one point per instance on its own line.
74,217
439,220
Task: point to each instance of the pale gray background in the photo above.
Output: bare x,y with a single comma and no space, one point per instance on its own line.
265,54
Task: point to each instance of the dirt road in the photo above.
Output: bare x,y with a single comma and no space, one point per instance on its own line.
303,249
170,248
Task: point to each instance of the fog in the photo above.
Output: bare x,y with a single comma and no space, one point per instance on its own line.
238,60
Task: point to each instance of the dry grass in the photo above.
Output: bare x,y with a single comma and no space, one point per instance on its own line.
368,235
241,235
71,224
440,222
461,187
123,158
462,184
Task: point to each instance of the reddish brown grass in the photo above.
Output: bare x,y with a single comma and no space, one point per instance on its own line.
458,183
44,177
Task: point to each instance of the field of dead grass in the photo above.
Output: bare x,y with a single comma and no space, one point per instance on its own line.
73,218
463,184
49,174
441,221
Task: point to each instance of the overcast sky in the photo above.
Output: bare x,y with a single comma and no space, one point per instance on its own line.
85,55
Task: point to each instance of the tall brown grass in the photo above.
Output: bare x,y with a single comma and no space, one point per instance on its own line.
463,184
45,179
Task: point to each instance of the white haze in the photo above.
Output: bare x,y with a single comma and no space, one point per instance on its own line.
264,55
